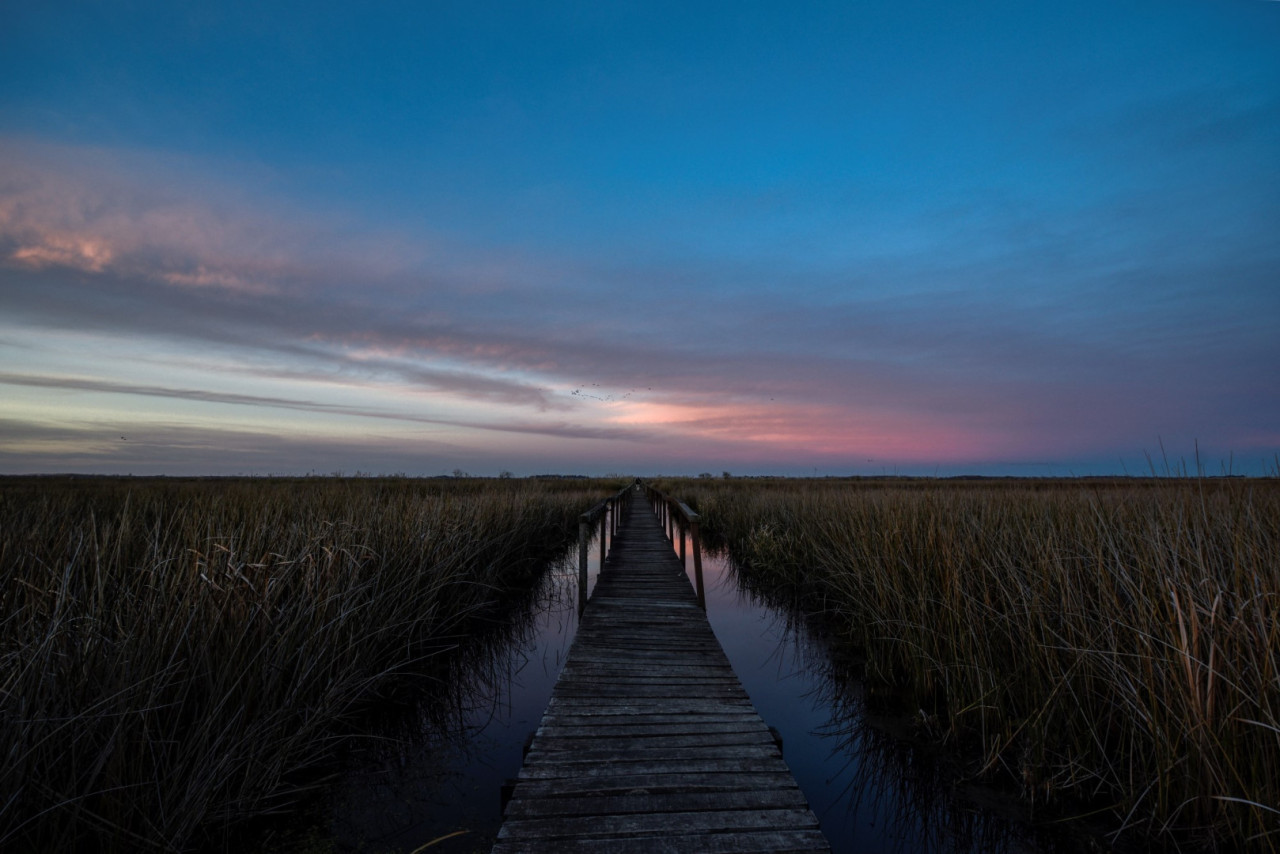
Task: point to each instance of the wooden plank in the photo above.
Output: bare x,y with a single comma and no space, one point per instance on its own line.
622,783
681,725
623,746
568,719
777,842
605,753
659,823
683,765
648,705
649,742
648,802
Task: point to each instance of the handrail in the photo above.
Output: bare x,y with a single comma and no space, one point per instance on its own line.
675,514
586,525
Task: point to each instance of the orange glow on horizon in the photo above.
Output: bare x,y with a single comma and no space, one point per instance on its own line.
817,430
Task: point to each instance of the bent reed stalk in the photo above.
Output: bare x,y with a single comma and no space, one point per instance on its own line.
175,653
1116,642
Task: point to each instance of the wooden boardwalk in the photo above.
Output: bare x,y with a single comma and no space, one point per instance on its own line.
649,742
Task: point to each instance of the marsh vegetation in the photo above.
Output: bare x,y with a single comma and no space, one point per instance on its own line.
180,655
1110,649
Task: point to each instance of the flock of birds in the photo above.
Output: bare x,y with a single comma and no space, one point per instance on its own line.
606,398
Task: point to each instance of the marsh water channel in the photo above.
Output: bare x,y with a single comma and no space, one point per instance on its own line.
434,783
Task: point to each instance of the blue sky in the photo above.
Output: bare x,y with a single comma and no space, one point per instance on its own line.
847,238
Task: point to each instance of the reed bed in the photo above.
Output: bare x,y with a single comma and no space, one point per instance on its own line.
178,655
1111,647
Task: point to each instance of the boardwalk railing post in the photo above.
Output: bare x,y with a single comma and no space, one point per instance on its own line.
697,562
604,521
584,538
587,522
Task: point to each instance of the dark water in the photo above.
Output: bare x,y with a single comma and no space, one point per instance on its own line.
871,792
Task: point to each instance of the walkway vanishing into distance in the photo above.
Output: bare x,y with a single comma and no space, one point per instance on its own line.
649,743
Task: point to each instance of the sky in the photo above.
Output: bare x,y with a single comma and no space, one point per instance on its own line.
868,237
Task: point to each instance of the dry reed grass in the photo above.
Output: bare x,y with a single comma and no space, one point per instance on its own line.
175,653
1114,642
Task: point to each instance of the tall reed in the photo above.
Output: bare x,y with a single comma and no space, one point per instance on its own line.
1116,642
175,653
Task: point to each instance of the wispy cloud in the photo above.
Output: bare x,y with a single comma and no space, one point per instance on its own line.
558,429
118,446
1020,334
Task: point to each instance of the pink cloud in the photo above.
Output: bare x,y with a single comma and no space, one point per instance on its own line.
52,249
90,211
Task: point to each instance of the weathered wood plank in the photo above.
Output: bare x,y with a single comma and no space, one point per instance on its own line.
683,765
680,726
622,746
659,823
605,753
648,802
623,783
662,705
569,719
777,842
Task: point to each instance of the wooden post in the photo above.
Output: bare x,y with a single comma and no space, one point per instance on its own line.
697,563
682,545
604,519
584,536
